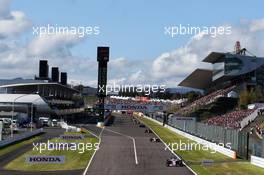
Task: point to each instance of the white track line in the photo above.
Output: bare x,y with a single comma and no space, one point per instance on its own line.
169,147
132,138
90,161
94,133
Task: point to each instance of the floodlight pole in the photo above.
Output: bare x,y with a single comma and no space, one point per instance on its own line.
13,109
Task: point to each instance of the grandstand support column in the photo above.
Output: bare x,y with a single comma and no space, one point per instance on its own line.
247,145
102,58
225,135
195,127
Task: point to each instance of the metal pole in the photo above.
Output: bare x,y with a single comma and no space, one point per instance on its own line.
31,120
13,108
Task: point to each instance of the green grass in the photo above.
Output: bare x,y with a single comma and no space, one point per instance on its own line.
73,159
17,145
90,100
234,168
194,157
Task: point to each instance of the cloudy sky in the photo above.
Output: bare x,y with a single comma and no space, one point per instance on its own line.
134,30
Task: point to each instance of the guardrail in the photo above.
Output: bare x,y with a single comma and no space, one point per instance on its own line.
69,111
20,137
69,128
249,118
258,161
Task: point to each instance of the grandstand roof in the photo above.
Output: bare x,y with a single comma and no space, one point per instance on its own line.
213,57
19,100
199,79
22,98
19,80
38,83
203,79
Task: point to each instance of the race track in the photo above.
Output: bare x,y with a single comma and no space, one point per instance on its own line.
118,155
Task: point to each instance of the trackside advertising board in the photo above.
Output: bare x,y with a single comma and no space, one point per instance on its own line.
72,137
135,107
45,159
185,118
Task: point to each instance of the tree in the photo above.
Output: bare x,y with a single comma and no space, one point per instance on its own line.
243,99
248,97
258,95
191,96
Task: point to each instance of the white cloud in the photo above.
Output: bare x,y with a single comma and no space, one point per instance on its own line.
171,67
48,44
257,25
118,63
117,81
11,23
177,63
137,76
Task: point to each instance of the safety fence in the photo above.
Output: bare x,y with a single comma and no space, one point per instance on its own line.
236,139
20,137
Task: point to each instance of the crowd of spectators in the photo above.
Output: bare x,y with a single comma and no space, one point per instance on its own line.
130,100
260,128
261,111
207,99
230,120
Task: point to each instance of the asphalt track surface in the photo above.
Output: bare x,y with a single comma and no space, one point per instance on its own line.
118,155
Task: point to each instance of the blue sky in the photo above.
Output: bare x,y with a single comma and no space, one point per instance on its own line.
134,30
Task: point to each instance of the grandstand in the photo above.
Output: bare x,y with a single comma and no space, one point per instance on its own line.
207,99
231,73
40,97
230,120
260,128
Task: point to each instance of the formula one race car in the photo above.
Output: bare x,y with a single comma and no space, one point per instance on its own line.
148,131
154,139
142,126
174,162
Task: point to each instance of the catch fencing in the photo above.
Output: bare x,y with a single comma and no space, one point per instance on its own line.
238,140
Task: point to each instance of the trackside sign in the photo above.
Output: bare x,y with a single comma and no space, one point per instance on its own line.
45,159
72,137
135,107
207,162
